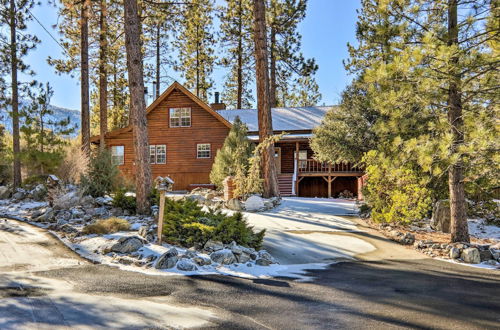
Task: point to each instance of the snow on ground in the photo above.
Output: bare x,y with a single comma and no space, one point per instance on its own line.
480,229
86,246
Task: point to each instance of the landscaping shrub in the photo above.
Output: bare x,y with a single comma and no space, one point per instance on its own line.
102,177
35,180
107,226
121,200
186,224
74,164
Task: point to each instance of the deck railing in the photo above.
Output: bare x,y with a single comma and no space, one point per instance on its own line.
313,166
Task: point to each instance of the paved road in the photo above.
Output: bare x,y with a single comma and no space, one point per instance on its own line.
391,287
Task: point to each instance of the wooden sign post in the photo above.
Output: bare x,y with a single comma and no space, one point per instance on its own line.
163,185
160,215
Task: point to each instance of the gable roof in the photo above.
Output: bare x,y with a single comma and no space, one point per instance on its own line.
163,96
284,119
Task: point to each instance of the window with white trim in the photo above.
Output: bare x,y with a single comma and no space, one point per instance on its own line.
180,117
203,150
157,154
302,159
117,155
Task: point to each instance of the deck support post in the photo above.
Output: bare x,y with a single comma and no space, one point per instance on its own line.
297,167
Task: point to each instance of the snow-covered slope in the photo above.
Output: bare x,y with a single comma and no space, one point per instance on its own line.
59,114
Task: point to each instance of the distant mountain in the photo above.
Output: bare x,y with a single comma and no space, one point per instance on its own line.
59,114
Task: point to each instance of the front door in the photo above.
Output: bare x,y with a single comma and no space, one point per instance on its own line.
277,159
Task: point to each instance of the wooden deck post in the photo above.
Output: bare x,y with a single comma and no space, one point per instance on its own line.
297,167
161,211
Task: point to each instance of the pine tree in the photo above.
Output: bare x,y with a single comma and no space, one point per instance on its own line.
233,157
304,92
286,62
5,167
137,104
14,15
236,39
195,44
270,180
44,136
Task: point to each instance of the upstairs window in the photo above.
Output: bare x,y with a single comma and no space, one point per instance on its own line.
158,154
117,155
203,150
180,117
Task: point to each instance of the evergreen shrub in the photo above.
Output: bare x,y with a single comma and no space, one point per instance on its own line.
121,200
102,177
186,224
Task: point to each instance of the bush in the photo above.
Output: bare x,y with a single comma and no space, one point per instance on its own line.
396,193
35,180
186,224
102,177
74,164
106,226
121,200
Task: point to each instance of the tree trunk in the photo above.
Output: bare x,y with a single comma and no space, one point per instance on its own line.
459,228
272,87
158,63
240,59
263,102
137,105
16,146
103,75
84,58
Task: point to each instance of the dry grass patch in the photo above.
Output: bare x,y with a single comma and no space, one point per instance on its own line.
107,226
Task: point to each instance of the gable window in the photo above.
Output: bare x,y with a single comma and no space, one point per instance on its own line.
157,154
117,155
180,117
203,150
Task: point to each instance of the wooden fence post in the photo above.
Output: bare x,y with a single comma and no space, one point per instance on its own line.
160,215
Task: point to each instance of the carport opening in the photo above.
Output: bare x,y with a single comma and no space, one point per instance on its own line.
318,187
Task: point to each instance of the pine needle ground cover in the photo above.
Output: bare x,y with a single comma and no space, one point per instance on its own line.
187,224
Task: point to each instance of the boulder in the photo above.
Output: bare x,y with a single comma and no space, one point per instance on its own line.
87,202
224,257
213,246
403,238
264,255
104,201
67,200
262,262
202,260
485,255
195,197
127,244
77,213
234,204
454,253
4,192
48,216
441,216
67,228
39,192
243,257
63,216
116,211
254,203
19,195
168,259
471,256
186,265
101,212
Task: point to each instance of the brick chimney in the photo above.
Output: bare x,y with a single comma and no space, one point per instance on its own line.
217,105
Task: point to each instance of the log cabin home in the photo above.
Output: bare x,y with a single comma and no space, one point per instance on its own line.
185,134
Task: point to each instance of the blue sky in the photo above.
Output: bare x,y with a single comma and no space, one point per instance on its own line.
327,28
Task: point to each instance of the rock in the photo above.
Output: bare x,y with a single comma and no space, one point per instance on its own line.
67,228
48,216
87,201
186,265
490,262
101,212
224,257
213,246
63,215
202,260
168,259
124,260
441,216
19,195
116,211
143,231
4,192
39,192
263,254
243,257
254,203
454,253
404,238
471,256
189,254
485,255
128,244
104,201
234,204
199,198
77,213
37,213
262,262
67,200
